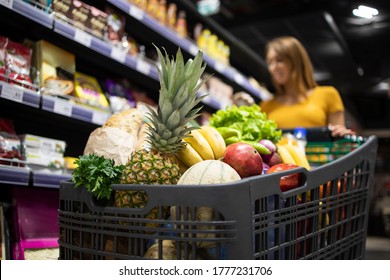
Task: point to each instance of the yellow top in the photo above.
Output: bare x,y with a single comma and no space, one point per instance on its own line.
312,112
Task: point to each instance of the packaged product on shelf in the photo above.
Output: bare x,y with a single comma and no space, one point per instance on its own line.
203,40
131,45
143,4
120,96
62,9
43,154
10,145
171,15
36,156
80,14
74,12
97,22
43,143
153,7
88,91
15,62
56,68
42,4
181,24
162,12
69,163
115,25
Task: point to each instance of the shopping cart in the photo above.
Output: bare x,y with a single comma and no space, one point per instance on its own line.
326,217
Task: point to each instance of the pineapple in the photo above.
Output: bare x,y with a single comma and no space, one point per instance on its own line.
179,84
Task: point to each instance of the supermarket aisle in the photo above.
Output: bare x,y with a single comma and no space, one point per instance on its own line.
377,248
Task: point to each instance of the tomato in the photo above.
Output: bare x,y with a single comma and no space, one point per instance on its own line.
287,182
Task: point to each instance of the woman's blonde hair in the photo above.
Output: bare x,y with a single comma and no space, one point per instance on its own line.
292,51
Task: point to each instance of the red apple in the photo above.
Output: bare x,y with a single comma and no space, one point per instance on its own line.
287,182
245,159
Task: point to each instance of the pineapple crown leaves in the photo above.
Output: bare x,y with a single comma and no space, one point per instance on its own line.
179,86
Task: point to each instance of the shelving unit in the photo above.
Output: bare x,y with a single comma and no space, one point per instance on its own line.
56,29
58,118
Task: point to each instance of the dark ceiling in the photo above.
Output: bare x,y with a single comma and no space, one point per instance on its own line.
350,53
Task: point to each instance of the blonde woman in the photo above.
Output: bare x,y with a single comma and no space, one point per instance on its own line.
299,101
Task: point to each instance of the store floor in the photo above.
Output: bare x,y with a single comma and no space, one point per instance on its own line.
377,248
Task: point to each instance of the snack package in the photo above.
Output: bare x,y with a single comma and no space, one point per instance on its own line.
56,68
88,90
15,61
120,96
97,22
10,145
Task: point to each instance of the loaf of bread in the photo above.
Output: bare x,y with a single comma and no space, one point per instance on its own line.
128,120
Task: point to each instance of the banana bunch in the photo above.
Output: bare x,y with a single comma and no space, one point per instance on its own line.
290,153
202,144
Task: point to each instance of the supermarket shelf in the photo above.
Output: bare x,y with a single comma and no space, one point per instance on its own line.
187,45
48,180
19,94
34,14
140,65
15,175
66,108
24,176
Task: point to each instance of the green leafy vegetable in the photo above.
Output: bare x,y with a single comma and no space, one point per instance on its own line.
96,174
250,121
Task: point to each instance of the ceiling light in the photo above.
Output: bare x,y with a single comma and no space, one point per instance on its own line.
365,12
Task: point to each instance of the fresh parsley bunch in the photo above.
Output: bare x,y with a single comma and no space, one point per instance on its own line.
96,174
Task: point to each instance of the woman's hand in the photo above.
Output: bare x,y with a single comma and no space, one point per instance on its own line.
340,130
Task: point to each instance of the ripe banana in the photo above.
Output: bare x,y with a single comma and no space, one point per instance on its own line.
299,158
215,140
189,156
182,166
200,144
284,154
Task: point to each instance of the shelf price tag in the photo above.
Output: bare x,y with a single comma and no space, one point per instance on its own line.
136,12
12,93
193,49
118,54
7,3
143,67
62,107
219,67
83,37
99,117
238,78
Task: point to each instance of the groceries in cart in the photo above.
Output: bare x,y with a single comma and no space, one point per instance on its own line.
189,189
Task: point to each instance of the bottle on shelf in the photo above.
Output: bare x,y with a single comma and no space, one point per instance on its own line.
181,24
153,7
143,4
300,135
203,40
162,12
171,15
